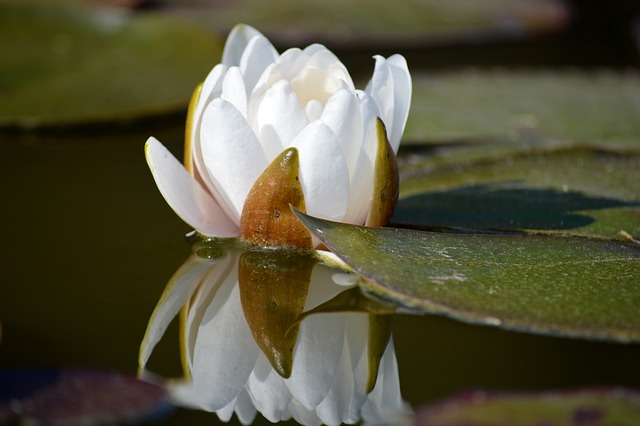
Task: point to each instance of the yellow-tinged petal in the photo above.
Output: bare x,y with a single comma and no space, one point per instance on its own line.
386,184
267,219
273,291
188,132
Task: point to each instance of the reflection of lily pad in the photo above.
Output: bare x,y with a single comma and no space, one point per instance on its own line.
64,66
579,191
358,22
583,407
526,107
566,286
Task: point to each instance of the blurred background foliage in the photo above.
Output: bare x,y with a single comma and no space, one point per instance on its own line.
525,116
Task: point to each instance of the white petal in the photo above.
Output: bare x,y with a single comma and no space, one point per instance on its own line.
245,410
323,172
363,174
234,91
314,110
325,59
211,89
333,409
390,87
178,291
237,42
382,91
226,412
303,415
357,337
384,405
292,61
316,358
342,115
185,195
313,48
402,98
269,391
320,344
280,118
225,352
232,154
213,280
257,56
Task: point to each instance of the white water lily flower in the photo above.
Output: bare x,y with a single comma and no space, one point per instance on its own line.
226,371
257,103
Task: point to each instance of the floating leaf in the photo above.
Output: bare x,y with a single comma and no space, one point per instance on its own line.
79,397
583,191
616,406
379,22
76,65
528,107
566,286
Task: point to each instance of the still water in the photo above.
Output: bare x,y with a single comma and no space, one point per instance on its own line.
89,245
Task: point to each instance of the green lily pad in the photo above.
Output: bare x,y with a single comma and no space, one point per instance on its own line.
527,107
580,191
616,406
76,65
357,23
566,286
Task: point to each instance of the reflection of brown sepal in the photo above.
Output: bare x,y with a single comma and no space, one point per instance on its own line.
273,290
386,184
267,219
379,335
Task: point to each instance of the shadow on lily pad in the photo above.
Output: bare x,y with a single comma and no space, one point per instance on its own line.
508,206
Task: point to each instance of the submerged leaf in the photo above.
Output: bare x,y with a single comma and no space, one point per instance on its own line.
565,286
586,407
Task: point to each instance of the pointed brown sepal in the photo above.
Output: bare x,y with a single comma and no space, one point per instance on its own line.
386,183
379,335
267,219
188,131
273,291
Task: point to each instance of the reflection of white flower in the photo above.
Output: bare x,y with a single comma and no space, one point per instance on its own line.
257,103
226,372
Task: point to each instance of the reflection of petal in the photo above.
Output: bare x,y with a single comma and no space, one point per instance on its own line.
224,353
175,296
269,391
316,358
384,405
227,372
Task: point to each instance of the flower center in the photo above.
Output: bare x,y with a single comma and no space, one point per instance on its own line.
314,83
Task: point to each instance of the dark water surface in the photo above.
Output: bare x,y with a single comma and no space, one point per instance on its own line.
88,245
